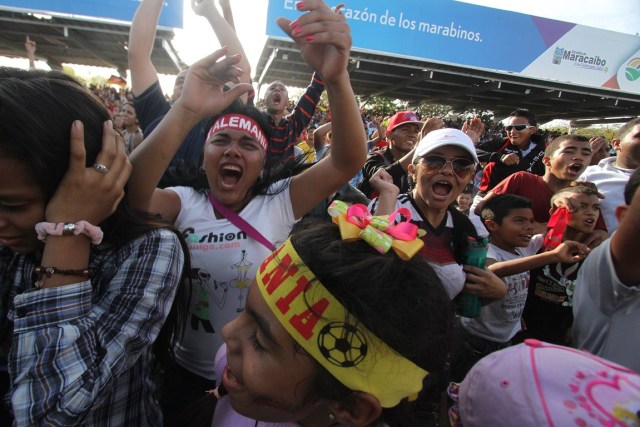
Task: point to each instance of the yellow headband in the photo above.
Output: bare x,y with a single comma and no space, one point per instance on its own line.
333,337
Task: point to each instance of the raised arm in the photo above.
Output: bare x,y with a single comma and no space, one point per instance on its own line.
141,39
227,13
319,135
324,39
382,183
30,47
567,252
224,31
202,96
624,243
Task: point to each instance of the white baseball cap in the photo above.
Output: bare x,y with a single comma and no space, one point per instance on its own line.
442,137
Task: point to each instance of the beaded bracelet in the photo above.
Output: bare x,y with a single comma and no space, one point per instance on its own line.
40,272
93,232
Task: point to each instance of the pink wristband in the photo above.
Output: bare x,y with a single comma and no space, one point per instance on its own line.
45,229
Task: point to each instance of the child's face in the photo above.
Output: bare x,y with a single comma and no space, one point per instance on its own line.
267,376
21,207
515,231
570,159
464,201
584,220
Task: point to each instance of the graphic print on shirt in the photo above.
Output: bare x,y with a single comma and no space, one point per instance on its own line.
513,303
557,283
242,281
200,309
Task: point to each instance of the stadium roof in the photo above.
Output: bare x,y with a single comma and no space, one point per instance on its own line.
62,39
463,88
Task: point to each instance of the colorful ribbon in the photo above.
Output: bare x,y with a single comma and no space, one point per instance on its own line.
380,231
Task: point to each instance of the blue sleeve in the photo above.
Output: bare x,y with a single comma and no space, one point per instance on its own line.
150,107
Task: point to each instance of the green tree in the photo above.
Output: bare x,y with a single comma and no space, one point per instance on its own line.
383,106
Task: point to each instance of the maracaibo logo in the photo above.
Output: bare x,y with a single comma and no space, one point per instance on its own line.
632,72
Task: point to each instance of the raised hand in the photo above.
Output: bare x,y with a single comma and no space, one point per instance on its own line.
91,193
323,37
474,128
30,46
202,7
382,182
597,142
570,251
203,92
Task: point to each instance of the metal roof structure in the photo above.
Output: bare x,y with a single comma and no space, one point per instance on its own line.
419,81
62,39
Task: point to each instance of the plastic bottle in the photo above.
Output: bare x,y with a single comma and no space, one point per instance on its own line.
476,255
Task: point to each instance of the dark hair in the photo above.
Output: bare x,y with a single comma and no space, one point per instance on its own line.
555,144
626,128
498,207
523,112
37,109
632,186
468,189
402,302
576,189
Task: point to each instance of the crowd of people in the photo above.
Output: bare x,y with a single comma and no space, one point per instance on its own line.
202,261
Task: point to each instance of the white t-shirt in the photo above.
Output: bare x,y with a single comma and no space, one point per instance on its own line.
500,320
224,261
611,181
606,312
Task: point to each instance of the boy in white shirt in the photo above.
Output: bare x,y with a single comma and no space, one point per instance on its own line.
511,255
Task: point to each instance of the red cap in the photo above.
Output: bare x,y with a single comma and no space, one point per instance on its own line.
401,118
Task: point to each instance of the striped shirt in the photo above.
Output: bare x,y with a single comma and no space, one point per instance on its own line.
81,354
284,135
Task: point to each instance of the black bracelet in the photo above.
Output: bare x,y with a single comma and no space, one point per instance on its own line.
40,272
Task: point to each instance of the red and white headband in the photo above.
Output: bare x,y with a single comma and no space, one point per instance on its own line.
242,123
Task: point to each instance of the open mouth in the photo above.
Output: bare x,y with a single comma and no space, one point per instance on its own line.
230,174
277,98
442,189
230,381
576,168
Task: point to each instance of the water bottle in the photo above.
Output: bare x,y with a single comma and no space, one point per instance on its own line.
476,255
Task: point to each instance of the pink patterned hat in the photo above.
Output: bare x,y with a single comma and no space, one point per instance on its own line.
538,384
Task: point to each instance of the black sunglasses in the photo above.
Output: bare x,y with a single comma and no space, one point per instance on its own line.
462,168
518,128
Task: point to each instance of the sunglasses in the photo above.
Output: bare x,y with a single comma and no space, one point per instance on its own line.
462,168
518,128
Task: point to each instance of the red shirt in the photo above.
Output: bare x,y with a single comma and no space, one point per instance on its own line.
532,187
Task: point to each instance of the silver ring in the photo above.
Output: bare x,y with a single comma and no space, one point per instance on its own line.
100,168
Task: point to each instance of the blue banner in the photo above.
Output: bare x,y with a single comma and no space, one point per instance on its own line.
122,10
481,37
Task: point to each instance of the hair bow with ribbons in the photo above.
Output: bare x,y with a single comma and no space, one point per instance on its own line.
381,232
